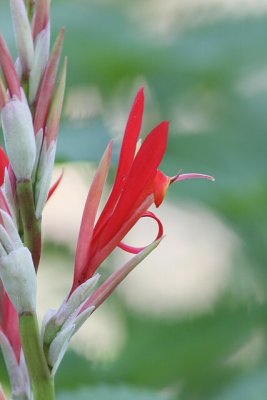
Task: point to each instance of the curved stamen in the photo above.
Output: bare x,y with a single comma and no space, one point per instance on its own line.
182,177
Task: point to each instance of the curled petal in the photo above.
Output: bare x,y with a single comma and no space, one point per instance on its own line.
136,250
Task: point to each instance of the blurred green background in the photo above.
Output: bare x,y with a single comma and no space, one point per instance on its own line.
204,67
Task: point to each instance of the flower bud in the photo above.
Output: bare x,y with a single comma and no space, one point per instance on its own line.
68,312
19,279
41,55
19,137
23,34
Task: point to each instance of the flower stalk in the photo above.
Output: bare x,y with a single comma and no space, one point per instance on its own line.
41,380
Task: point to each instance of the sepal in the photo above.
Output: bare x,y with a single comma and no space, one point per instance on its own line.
17,371
19,279
19,137
58,347
41,56
44,176
67,314
16,267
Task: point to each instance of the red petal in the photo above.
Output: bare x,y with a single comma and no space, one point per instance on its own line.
127,154
9,69
3,164
88,218
55,186
48,84
136,250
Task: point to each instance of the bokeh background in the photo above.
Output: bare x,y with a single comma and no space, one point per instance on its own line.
191,322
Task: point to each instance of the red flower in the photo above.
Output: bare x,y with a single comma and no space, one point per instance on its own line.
138,184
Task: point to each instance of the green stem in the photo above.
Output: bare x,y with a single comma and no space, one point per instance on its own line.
31,225
41,380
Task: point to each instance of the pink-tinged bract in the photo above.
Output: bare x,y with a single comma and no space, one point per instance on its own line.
9,322
41,16
9,69
47,86
138,184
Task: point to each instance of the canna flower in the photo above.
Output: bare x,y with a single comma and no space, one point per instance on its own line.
138,184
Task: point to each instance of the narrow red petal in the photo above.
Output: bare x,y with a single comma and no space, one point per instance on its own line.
9,69
55,186
48,85
88,218
136,250
3,164
127,154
